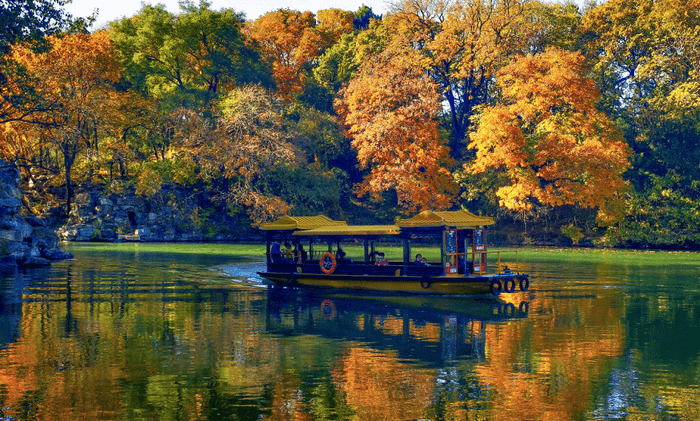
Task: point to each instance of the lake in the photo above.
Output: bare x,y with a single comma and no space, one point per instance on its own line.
189,332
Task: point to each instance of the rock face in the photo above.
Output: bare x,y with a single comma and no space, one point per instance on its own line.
172,215
24,241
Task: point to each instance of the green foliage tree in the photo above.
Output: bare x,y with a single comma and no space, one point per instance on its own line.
339,63
25,20
186,58
645,55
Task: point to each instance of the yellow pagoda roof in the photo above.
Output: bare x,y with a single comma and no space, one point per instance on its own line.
291,223
457,219
351,230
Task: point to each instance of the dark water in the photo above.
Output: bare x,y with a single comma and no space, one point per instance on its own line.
171,337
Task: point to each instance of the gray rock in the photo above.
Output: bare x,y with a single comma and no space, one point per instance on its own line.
20,226
31,261
104,206
10,235
12,205
86,231
109,234
35,222
56,254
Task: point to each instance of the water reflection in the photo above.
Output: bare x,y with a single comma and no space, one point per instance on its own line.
402,357
418,329
10,307
144,336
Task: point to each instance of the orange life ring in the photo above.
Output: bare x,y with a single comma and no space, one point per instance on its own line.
327,263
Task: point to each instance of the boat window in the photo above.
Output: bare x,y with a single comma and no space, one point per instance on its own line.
479,240
450,241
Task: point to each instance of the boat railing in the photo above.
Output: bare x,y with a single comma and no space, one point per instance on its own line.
498,253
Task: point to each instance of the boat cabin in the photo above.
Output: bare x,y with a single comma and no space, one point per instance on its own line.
462,236
315,245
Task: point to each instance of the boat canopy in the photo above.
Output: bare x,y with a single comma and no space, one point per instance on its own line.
293,223
321,225
351,231
453,219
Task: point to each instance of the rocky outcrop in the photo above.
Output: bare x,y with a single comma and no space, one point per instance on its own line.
24,241
173,215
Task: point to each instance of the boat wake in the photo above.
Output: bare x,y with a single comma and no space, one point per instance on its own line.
246,273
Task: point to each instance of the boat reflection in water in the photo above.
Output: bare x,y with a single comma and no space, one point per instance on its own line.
431,330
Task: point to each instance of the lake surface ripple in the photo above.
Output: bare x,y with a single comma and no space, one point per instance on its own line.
179,335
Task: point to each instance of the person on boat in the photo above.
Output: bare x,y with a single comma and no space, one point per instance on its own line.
424,262
276,252
381,261
287,252
340,256
463,265
419,259
300,253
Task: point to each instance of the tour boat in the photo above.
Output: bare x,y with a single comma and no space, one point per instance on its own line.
318,259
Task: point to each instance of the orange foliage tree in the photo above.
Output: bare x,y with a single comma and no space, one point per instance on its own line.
292,41
547,138
74,79
390,110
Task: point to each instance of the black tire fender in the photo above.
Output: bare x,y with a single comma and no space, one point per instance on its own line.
524,283
509,285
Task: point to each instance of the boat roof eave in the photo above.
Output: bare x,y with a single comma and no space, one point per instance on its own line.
351,231
461,219
295,223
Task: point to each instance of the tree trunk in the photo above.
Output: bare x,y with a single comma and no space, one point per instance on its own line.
69,190
69,153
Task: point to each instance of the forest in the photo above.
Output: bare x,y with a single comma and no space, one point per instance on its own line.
562,123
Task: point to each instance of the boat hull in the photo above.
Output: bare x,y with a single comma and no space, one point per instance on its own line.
429,285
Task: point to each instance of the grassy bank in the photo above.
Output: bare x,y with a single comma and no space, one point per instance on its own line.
394,252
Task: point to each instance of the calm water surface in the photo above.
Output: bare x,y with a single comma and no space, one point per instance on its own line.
167,336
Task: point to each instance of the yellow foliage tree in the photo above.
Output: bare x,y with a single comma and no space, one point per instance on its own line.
462,44
249,143
548,140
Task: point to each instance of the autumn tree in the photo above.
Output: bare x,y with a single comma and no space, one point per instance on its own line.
390,110
334,23
462,45
293,40
548,140
249,142
75,80
28,22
